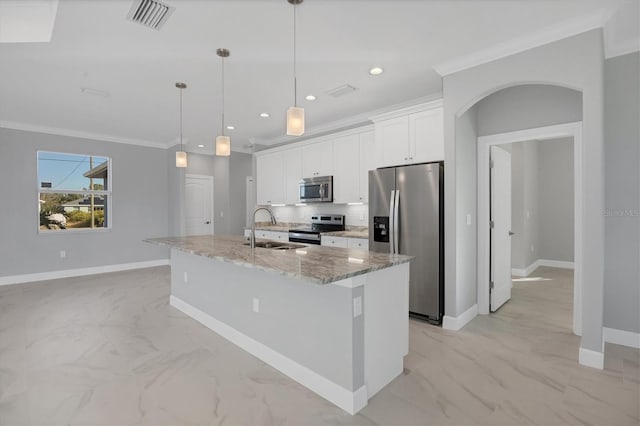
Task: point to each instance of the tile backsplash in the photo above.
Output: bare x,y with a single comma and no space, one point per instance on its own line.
354,215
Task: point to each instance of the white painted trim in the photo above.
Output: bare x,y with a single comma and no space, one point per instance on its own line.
350,401
513,46
621,337
407,110
456,323
68,273
542,262
573,130
27,127
349,122
590,358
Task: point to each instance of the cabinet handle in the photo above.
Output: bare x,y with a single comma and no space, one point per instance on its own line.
410,158
405,158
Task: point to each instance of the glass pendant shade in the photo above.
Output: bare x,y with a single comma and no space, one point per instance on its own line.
295,121
181,159
223,146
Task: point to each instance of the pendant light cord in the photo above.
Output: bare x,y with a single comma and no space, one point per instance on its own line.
295,79
222,129
181,149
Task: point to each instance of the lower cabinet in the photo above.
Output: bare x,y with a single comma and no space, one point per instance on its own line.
268,235
345,242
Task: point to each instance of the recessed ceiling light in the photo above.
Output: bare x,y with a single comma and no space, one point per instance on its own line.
310,98
200,146
231,127
376,71
264,114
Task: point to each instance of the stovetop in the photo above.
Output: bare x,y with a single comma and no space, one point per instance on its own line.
322,223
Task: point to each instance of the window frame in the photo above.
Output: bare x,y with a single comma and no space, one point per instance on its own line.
107,194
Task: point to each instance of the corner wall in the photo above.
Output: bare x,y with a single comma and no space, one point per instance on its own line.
576,63
139,206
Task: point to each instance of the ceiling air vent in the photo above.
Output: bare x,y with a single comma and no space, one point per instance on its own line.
150,13
345,89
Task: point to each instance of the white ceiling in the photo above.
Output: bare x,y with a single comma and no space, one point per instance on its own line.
93,45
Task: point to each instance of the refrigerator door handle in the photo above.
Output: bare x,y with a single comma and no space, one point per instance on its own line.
396,224
391,229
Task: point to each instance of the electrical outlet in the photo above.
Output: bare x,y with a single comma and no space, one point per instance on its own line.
361,216
63,254
256,304
357,306
185,277
221,213
532,248
468,219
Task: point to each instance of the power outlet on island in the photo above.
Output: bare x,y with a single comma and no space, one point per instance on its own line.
63,254
185,277
256,305
357,306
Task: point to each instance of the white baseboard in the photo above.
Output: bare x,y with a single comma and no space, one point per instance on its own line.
350,401
591,358
541,262
456,323
67,273
621,337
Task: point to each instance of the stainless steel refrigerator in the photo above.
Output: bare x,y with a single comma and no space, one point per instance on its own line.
406,216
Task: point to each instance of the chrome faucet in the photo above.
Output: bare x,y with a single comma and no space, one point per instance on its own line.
252,236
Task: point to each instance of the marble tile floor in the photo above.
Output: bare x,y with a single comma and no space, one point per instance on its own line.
109,350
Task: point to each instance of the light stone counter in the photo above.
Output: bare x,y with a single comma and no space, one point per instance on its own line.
318,264
349,234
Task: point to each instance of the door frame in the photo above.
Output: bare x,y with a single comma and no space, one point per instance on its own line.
573,130
213,213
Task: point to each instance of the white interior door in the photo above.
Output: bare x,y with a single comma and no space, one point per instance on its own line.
501,227
198,204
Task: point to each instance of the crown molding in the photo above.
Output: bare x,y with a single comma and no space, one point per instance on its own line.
399,111
349,122
620,38
548,35
79,134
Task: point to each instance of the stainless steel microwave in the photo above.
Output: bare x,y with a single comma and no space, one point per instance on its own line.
316,190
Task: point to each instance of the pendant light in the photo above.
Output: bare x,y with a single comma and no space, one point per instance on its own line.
181,156
223,143
295,114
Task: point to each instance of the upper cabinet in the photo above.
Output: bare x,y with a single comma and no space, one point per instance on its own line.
351,165
292,175
317,159
416,136
270,178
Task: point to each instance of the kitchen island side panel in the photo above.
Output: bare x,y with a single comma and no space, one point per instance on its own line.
310,324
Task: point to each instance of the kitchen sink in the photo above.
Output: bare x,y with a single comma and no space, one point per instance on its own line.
277,246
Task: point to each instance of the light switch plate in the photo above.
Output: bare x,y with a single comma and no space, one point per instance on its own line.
357,306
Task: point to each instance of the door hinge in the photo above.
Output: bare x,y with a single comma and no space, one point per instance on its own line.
491,284
492,224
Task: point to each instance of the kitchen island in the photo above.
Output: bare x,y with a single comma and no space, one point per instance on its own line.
335,320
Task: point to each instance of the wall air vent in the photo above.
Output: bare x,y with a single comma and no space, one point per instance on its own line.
345,89
150,13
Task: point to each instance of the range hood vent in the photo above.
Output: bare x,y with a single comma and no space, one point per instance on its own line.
150,13
345,89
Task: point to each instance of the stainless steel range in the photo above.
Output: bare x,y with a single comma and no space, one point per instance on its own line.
319,223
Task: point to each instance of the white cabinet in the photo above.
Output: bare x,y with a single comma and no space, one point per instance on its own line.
351,165
292,175
359,243
327,240
409,139
268,235
392,138
346,179
317,159
270,176
426,136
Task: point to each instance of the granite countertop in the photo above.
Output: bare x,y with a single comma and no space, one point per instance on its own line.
318,264
349,234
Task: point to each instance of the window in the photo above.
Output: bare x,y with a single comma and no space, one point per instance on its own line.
74,191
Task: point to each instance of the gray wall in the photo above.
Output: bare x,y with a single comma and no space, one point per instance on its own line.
543,187
556,200
556,64
528,106
139,208
524,202
622,193
240,168
229,180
